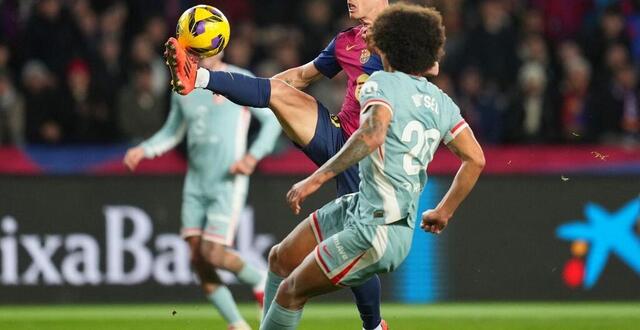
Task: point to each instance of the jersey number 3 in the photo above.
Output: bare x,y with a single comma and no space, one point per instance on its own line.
423,150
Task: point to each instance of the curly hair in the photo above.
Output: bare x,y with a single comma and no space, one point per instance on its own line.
410,36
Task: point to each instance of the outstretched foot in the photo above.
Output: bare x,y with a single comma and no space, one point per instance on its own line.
183,67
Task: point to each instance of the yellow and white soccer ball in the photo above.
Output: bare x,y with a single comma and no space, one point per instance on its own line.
203,30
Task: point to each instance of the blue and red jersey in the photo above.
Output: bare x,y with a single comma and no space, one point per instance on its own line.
348,51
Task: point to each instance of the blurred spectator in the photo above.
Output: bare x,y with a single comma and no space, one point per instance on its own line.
108,69
5,56
142,54
315,21
480,106
156,33
610,31
239,53
87,23
492,45
113,19
618,108
47,121
93,121
52,37
576,107
563,18
141,111
532,115
11,112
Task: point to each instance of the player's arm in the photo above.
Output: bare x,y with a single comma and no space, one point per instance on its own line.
326,64
263,145
466,147
300,77
370,136
171,133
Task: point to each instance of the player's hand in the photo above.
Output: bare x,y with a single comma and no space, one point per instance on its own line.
434,221
133,158
300,191
246,165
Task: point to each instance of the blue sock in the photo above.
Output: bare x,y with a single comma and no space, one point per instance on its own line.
368,301
280,318
241,89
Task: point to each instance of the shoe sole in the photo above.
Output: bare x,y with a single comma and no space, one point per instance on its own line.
172,61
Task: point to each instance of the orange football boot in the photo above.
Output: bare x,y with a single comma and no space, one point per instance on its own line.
183,67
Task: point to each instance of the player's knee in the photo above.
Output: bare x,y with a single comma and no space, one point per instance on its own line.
214,255
274,261
196,258
278,88
277,262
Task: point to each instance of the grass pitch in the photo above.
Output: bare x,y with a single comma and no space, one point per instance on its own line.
331,316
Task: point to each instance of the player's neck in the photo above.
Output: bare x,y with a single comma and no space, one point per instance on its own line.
368,19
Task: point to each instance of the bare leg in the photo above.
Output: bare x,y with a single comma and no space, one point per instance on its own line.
297,111
209,279
305,282
290,253
219,256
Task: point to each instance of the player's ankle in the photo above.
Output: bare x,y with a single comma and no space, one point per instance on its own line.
202,78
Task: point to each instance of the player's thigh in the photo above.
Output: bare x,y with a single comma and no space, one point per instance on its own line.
324,222
223,212
193,215
306,281
296,111
194,248
291,251
364,250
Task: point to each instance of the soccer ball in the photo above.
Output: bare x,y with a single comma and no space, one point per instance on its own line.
203,31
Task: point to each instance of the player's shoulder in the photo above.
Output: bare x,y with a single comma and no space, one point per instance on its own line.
386,79
384,75
445,101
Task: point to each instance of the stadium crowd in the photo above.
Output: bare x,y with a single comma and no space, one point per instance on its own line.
536,71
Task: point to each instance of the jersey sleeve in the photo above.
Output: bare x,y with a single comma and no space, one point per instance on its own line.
268,134
377,90
327,62
453,121
171,133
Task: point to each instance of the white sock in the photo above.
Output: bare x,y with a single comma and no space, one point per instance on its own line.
202,78
379,327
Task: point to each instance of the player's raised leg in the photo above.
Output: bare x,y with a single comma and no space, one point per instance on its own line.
296,110
213,288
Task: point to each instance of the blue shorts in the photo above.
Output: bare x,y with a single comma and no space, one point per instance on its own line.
326,142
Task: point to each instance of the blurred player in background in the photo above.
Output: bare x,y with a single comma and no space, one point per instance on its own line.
404,118
216,183
305,120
